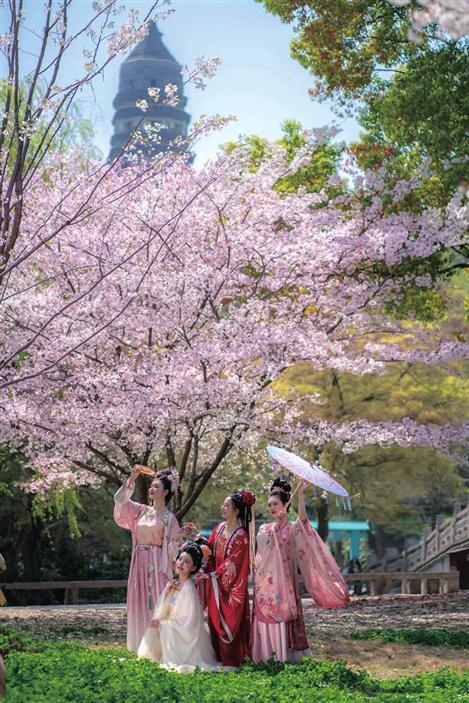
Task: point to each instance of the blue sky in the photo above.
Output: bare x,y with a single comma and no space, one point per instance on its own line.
257,81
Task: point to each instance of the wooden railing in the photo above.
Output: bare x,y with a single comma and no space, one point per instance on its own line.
378,583
71,588
409,581
448,534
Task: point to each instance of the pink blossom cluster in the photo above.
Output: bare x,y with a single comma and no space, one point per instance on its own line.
451,16
178,299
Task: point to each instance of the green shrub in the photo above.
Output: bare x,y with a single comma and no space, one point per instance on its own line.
429,638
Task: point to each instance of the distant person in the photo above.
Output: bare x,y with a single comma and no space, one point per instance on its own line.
354,567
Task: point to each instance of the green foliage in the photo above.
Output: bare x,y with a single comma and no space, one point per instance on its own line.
345,43
57,672
421,114
400,489
412,98
314,177
60,503
72,535
12,640
70,127
428,638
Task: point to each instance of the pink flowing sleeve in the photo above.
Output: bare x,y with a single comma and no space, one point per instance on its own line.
126,511
321,575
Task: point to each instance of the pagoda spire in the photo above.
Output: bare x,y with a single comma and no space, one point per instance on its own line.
149,64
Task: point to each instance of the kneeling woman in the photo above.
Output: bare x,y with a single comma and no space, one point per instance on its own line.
177,637
278,626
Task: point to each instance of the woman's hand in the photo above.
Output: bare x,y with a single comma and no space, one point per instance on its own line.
171,586
303,486
134,474
201,577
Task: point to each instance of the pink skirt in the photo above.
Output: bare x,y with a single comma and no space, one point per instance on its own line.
146,582
274,640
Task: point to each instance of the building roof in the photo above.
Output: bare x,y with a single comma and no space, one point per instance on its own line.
151,47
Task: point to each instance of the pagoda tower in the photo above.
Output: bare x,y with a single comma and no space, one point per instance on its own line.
150,64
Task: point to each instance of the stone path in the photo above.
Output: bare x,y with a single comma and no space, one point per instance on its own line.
416,612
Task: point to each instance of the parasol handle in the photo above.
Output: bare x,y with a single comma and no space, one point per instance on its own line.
292,495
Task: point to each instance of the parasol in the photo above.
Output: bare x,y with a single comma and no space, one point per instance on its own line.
313,473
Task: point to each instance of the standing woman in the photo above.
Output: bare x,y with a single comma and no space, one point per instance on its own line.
154,530
227,582
278,625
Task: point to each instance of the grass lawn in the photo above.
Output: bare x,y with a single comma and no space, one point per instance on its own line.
427,638
40,671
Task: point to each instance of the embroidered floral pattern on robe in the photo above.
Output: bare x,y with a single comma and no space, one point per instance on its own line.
278,624
227,598
151,566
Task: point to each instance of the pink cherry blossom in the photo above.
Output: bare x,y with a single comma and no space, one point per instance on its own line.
451,16
180,301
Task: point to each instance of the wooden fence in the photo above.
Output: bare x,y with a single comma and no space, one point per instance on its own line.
376,584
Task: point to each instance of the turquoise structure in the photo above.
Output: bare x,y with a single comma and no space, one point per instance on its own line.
353,530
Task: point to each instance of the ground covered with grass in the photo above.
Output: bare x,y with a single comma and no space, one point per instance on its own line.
61,671
427,638
390,649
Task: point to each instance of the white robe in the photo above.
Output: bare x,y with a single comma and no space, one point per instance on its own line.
181,642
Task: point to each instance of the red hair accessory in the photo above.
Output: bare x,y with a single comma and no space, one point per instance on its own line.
249,498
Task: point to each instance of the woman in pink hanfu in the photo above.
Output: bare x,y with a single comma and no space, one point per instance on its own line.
278,628
154,547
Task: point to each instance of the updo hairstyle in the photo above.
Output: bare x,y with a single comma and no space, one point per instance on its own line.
166,477
242,501
195,552
281,489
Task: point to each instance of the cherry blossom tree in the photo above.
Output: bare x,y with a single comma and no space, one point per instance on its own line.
228,283
147,312
450,16
49,195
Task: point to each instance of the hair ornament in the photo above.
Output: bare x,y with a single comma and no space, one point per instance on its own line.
172,476
249,498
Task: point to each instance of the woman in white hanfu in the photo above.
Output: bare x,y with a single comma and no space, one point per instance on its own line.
155,540
177,637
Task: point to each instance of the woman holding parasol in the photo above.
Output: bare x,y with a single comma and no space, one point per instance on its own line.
278,628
